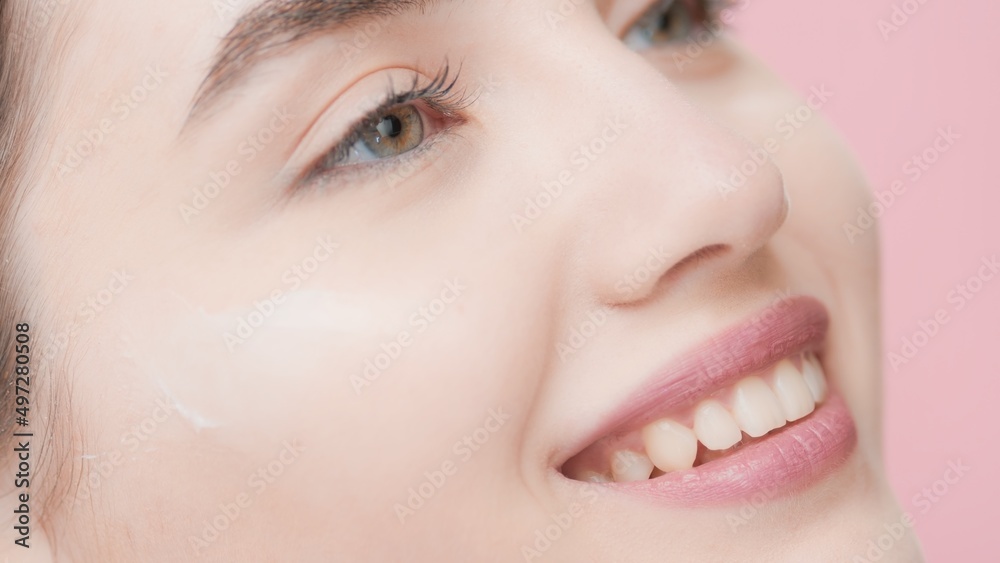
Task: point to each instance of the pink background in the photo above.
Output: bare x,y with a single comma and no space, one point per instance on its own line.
942,68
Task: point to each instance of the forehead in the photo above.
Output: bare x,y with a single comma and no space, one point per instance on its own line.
207,48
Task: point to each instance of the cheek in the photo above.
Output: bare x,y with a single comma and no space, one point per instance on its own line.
829,190
361,378
302,365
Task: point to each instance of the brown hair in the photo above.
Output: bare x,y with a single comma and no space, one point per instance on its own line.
18,115
22,88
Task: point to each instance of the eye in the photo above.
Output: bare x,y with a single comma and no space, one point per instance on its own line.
670,21
390,132
399,129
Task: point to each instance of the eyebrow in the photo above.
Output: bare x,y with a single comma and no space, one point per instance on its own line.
275,26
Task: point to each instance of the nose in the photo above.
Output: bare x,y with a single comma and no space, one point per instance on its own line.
672,192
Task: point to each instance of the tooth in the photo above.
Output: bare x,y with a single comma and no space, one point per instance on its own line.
714,426
670,445
594,477
627,466
793,394
756,408
813,375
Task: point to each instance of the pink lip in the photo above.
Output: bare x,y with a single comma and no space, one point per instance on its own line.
793,456
807,448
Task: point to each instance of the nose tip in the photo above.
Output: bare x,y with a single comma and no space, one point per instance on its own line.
707,231
707,204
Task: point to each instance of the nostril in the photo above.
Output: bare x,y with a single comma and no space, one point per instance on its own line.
702,254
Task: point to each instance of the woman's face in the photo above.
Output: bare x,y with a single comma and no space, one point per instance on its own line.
422,281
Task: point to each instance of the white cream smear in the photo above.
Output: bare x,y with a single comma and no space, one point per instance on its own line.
213,384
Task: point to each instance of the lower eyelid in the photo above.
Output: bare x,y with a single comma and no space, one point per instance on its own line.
365,172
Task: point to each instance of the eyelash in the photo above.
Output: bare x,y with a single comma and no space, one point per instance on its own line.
703,14
440,95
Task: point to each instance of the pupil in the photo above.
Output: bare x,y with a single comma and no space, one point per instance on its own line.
665,20
390,126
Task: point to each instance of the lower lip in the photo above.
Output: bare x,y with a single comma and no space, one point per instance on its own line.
794,457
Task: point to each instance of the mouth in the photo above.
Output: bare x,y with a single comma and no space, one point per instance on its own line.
751,410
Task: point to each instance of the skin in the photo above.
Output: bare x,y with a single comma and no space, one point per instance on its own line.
147,479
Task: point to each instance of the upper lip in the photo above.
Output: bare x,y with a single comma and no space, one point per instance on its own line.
795,325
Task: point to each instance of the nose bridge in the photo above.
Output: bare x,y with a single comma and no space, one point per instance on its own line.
661,183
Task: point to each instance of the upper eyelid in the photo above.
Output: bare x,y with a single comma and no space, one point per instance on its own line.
709,14
340,115
437,93
641,14
317,173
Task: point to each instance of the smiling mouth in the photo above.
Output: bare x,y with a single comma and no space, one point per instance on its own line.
718,426
753,408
